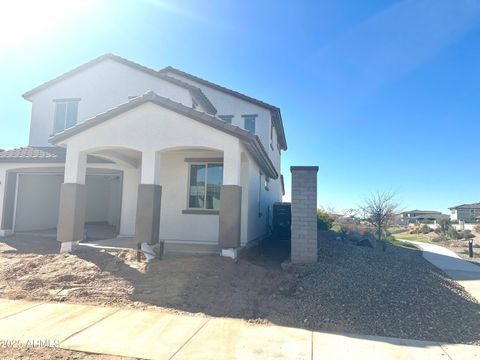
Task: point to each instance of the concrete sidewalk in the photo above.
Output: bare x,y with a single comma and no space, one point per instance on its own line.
458,269
159,335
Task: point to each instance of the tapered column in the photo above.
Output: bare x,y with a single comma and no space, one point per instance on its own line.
230,217
71,217
147,225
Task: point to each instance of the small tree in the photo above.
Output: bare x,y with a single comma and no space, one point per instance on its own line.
324,220
444,225
379,210
453,233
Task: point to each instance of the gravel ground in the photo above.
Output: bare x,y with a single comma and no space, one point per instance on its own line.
351,289
53,353
396,293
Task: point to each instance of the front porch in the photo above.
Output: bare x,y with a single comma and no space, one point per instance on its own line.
177,197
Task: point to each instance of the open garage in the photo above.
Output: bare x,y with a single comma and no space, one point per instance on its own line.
35,202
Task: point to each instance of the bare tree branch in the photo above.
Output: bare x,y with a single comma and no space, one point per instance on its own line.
379,209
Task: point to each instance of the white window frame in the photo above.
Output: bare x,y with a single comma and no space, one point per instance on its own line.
271,134
260,194
205,163
250,117
66,102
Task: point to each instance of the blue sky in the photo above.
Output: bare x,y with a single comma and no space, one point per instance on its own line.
381,95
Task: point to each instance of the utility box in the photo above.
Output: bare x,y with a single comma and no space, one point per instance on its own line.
282,221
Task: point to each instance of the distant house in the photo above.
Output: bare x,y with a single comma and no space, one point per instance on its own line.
466,212
414,216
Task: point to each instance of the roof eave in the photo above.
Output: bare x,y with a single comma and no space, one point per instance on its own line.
273,109
250,140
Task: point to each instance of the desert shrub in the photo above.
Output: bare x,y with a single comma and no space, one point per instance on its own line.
453,233
354,232
477,229
444,225
324,220
439,238
395,230
425,229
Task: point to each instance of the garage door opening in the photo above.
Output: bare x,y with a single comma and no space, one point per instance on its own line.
37,204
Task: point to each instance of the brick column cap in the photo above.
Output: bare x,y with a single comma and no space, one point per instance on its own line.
304,168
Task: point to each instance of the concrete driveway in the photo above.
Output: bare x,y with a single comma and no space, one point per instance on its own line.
160,335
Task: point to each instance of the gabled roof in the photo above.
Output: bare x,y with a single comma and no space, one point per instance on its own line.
195,92
40,154
466,206
275,111
422,211
251,142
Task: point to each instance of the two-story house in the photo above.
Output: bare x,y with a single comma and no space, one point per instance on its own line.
469,213
160,155
415,216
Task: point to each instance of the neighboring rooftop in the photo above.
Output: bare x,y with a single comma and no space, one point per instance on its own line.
466,206
421,212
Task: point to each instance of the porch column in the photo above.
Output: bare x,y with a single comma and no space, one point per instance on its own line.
71,217
8,185
147,225
230,219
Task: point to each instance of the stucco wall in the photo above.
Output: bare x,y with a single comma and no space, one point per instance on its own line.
175,226
103,198
258,226
100,87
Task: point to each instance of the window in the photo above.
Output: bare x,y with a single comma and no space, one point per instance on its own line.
267,184
271,135
260,194
226,118
204,186
66,113
249,122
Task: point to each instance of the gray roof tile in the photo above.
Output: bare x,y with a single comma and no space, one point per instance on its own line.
40,154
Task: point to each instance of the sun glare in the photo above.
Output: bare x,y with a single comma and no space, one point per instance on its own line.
22,21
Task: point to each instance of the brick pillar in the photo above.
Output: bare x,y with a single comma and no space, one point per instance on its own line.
304,214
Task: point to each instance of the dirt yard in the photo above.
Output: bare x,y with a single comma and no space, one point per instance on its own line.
53,353
351,289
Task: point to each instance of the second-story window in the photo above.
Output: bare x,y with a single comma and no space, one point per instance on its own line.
226,118
66,115
249,122
271,135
